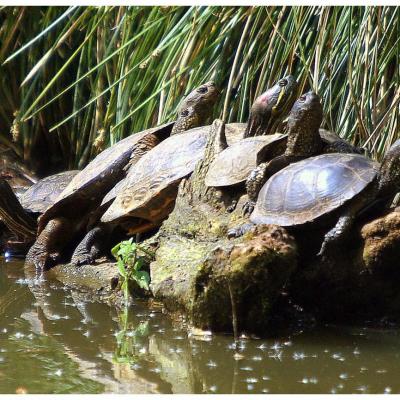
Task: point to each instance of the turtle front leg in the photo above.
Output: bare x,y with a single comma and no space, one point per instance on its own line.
254,183
259,176
46,250
92,245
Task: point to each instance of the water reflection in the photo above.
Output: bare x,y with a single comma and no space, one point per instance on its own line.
54,340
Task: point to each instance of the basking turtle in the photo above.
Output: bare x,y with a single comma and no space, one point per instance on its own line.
14,172
149,191
336,185
70,213
19,215
304,140
276,100
233,165
45,192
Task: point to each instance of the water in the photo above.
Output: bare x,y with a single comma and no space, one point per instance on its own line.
53,340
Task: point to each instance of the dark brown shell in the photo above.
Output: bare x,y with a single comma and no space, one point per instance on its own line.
234,164
100,175
308,189
44,193
233,132
150,188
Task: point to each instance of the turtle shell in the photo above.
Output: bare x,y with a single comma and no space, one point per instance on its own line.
100,175
308,189
233,132
45,192
234,164
150,189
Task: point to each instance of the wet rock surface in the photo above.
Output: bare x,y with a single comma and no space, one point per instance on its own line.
381,237
100,280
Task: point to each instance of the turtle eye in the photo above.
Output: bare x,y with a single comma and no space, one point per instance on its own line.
202,89
303,98
185,113
283,82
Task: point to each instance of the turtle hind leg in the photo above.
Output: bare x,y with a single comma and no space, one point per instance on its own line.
336,236
92,246
46,251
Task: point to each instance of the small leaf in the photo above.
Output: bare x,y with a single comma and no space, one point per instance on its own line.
139,264
121,268
143,279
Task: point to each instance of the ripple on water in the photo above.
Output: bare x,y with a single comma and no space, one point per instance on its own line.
211,364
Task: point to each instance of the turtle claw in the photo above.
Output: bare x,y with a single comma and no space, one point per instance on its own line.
232,207
321,255
41,264
81,260
248,207
326,251
233,233
239,231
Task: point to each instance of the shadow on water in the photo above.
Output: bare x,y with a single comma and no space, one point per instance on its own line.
55,340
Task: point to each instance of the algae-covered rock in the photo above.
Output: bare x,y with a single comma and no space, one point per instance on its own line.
382,242
201,272
199,277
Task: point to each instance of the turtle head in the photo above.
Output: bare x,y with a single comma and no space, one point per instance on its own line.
196,107
271,107
390,170
306,113
202,99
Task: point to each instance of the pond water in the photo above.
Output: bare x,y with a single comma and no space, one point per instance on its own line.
52,340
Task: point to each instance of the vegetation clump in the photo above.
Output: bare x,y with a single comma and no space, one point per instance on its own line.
131,258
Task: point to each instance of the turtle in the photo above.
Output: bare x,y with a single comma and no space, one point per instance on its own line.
270,107
14,171
20,214
149,192
330,186
234,164
304,140
69,215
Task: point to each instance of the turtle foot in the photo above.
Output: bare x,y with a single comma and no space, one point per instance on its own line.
327,251
44,262
82,259
248,207
232,207
239,231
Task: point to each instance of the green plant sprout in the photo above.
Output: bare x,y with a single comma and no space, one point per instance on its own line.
130,264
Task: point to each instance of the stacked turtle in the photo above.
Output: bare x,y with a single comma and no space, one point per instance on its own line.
77,205
294,190
20,214
146,196
139,200
150,189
